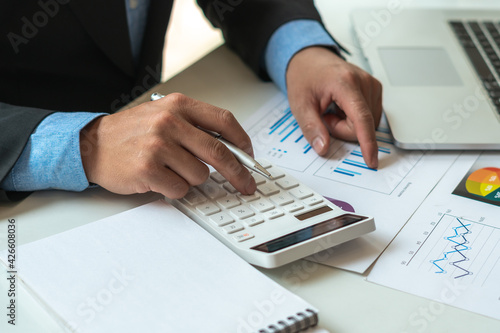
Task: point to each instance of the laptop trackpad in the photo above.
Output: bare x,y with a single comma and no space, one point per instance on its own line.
419,67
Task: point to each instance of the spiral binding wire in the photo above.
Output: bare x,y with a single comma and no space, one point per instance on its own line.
300,322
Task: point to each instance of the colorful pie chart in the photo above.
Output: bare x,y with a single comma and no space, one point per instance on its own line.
485,182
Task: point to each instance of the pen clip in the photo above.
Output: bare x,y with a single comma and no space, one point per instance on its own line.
156,96
212,133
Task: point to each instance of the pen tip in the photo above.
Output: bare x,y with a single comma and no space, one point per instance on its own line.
263,171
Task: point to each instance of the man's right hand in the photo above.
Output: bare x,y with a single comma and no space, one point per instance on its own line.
157,147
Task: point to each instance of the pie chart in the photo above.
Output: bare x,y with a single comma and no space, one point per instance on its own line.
485,182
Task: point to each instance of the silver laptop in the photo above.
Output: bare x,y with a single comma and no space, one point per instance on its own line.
441,74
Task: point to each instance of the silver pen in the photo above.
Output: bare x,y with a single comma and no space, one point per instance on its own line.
240,155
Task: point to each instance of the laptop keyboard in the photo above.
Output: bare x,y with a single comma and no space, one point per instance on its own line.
481,43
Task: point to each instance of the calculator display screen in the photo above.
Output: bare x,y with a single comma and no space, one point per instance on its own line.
308,233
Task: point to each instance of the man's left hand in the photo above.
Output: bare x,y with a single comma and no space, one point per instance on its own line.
316,77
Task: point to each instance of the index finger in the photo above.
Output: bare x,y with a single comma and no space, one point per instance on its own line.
210,150
354,105
223,122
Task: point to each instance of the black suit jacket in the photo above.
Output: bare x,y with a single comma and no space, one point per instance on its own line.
75,55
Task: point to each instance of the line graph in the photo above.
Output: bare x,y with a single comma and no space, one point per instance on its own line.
449,249
458,248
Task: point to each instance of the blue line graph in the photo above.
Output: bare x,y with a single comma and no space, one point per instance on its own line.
456,248
460,246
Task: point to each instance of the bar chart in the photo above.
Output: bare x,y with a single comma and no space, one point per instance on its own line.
277,137
347,165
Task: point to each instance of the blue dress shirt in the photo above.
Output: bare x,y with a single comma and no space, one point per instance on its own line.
51,158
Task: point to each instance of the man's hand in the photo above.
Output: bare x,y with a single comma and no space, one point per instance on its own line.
316,77
157,147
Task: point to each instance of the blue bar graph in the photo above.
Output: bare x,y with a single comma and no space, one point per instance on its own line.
384,150
383,130
384,140
347,165
354,164
280,121
346,172
357,164
285,128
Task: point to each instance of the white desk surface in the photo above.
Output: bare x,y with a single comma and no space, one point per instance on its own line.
347,303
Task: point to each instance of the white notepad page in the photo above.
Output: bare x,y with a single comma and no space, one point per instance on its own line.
150,269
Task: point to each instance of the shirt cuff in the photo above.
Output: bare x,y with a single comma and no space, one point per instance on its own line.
51,159
289,39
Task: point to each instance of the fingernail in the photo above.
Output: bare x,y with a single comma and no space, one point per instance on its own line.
318,144
251,186
372,162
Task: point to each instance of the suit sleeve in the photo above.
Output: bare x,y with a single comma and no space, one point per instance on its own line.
16,125
247,25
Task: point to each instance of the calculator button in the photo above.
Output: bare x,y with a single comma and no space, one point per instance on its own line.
301,192
243,237
208,208
221,219
230,188
228,202
217,177
281,199
248,198
229,229
212,190
268,189
313,200
194,197
259,179
262,205
242,212
276,173
287,183
272,214
293,207
253,221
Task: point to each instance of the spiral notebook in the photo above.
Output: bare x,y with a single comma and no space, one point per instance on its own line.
151,269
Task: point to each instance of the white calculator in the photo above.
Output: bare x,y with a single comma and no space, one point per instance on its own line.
284,220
